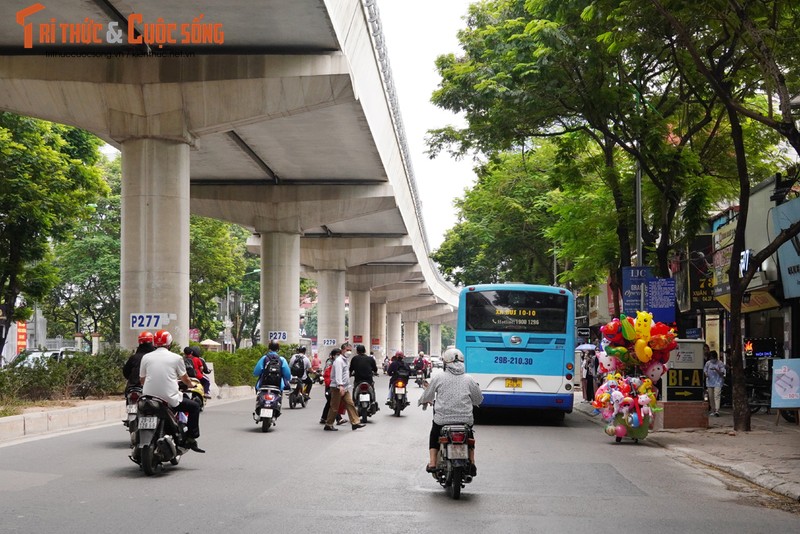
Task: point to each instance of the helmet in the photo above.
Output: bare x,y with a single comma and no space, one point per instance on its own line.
145,337
421,354
399,354
452,355
162,339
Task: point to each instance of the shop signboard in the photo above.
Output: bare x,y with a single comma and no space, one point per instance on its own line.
684,380
633,282
784,216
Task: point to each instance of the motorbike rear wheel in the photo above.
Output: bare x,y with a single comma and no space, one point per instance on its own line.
397,408
363,413
455,482
148,460
266,423
292,402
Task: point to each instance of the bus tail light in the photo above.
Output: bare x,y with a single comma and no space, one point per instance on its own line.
570,367
568,376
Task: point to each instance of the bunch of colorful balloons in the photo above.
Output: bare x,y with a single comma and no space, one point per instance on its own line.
637,343
627,403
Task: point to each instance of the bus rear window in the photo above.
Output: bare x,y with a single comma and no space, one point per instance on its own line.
516,311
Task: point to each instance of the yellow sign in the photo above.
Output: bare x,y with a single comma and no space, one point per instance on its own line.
759,300
513,382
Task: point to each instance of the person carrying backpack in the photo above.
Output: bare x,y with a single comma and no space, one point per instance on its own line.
299,366
272,369
398,369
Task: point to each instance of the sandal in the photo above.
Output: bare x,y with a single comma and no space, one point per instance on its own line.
430,469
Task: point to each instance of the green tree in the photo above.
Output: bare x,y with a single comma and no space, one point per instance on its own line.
48,184
217,263
739,50
86,299
499,235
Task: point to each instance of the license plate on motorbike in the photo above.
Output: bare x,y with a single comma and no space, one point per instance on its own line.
131,408
400,391
148,423
266,412
363,398
457,452
513,382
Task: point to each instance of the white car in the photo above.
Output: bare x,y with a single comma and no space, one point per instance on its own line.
436,361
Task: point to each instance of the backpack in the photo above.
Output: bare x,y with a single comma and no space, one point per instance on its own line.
420,364
298,368
190,367
271,375
402,371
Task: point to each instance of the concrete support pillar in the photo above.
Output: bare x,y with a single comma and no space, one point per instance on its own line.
280,287
436,340
154,263
330,311
394,333
377,329
410,337
359,318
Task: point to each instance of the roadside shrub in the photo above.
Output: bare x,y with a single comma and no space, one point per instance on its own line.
236,369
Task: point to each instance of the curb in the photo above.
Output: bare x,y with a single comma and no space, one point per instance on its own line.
16,427
749,471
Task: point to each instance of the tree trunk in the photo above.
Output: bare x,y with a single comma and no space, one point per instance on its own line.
741,411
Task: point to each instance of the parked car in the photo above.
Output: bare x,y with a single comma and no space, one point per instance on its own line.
29,358
437,362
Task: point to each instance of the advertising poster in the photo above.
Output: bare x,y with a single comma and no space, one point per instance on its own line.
786,383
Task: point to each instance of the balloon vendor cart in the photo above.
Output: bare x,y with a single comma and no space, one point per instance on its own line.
634,359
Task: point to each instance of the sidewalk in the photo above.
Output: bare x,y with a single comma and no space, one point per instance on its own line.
88,413
768,455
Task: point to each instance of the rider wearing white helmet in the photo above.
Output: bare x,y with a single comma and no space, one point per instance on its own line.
455,393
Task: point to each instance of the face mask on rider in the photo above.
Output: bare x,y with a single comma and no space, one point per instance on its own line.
348,353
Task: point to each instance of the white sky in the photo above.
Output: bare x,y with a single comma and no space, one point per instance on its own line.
416,32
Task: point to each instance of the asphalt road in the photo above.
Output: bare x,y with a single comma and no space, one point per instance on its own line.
533,476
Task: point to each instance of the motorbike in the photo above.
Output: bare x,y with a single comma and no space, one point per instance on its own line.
160,437
131,400
453,469
315,376
268,406
399,398
296,396
419,380
196,393
364,397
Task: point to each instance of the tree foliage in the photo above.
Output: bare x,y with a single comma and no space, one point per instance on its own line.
48,186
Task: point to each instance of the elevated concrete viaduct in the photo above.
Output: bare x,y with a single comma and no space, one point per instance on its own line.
279,115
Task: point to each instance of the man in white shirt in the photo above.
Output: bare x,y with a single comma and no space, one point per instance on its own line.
160,371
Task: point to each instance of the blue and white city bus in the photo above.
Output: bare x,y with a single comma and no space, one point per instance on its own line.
518,342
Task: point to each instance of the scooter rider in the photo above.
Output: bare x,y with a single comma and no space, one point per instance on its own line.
363,368
131,368
397,369
160,372
455,394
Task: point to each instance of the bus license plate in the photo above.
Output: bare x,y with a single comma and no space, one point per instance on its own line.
513,382
457,452
148,423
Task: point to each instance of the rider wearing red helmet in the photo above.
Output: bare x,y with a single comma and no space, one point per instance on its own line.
131,368
160,371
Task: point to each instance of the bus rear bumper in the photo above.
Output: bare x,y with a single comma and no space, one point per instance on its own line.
542,401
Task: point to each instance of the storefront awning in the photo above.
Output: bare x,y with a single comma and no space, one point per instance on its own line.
758,301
